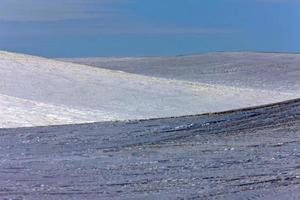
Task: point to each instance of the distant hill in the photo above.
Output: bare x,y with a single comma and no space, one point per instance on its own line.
271,71
37,91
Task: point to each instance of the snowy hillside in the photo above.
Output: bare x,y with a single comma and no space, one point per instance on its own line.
271,71
36,91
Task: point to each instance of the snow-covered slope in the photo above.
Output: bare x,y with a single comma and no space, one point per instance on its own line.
36,91
271,71
17,112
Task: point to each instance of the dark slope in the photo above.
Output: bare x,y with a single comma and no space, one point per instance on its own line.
243,154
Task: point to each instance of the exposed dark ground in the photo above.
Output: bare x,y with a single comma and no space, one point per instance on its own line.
243,154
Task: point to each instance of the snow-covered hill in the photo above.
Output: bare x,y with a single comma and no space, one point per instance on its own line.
37,91
271,71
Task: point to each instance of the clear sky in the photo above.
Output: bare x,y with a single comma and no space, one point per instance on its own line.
80,28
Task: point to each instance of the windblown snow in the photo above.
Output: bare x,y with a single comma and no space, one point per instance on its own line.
37,91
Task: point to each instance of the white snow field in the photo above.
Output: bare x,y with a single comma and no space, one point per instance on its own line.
37,91
271,71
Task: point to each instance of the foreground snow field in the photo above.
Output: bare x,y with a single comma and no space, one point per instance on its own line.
243,154
36,91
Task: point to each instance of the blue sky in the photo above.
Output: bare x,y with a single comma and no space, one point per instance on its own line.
80,28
